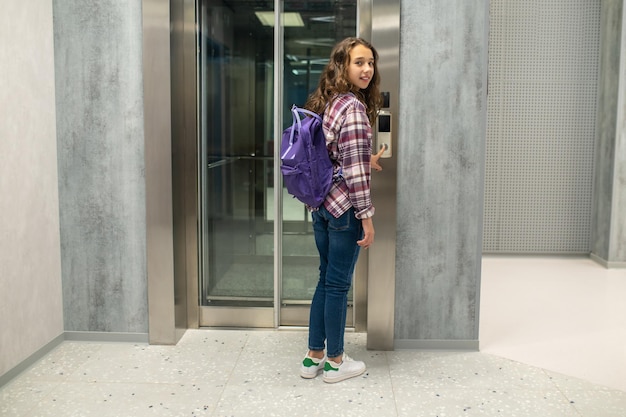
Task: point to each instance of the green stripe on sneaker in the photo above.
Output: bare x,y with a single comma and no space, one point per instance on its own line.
308,362
329,367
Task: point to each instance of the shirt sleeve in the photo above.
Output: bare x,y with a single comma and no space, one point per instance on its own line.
355,147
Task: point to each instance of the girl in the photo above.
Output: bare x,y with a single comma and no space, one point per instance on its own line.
348,96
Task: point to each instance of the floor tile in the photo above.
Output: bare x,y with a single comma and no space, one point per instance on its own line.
128,399
458,370
598,403
563,314
19,396
62,361
210,356
294,396
476,402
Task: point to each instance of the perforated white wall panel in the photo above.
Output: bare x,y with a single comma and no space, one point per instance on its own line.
541,117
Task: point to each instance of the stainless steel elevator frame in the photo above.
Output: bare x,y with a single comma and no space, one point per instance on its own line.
378,263
173,204
157,123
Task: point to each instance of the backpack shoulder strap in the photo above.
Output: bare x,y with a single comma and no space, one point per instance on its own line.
305,111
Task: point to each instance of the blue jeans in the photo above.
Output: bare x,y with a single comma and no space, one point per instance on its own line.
336,242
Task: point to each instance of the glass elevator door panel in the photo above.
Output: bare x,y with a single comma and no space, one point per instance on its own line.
236,58
236,123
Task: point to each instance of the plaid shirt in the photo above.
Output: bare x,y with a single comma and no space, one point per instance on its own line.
349,141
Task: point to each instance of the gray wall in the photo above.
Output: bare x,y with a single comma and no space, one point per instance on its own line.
31,311
541,126
99,101
609,223
443,68
617,253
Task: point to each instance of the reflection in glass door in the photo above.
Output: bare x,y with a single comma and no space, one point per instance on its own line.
238,280
306,52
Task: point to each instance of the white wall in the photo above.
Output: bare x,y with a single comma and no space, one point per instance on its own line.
31,308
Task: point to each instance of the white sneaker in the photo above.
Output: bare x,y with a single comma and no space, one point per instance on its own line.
348,368
311,367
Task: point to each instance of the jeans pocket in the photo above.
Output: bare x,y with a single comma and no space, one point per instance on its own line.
314,217
343,222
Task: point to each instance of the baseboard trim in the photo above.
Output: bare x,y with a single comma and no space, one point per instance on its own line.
26,363
70,336
107,337
607,264
434,344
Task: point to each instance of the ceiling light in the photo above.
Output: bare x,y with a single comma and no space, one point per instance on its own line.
290,19
304,72
325,19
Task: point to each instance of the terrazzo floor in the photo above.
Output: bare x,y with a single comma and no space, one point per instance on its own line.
255,373
548,328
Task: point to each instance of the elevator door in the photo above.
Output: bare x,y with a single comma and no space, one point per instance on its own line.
254,272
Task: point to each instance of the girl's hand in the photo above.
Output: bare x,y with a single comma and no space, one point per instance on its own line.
374,160
368,233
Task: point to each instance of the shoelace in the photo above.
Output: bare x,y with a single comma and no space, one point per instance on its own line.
346,358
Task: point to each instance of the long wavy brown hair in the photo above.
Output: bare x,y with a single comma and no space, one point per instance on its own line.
334,80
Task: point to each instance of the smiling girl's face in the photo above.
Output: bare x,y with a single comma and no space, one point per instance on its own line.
361,67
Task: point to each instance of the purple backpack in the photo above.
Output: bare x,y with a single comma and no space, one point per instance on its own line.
305,164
